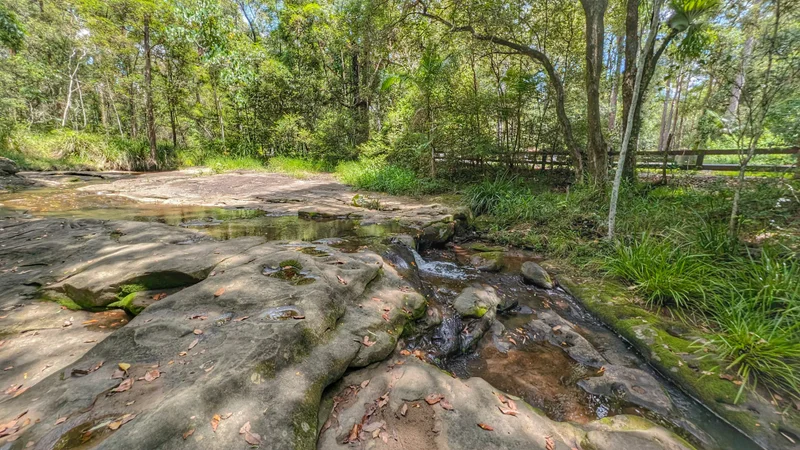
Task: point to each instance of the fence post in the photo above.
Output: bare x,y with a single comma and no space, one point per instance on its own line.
699,162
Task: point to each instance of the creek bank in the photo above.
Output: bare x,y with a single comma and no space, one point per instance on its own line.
670,347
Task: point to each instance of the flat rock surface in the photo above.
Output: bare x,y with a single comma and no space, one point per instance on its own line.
272,192
237,347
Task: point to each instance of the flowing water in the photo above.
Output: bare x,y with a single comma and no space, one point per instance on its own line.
541,374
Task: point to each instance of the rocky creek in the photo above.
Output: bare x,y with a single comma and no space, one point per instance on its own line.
144,324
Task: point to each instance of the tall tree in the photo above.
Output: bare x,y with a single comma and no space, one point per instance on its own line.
148,89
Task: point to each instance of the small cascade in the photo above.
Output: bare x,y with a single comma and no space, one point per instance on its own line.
442,269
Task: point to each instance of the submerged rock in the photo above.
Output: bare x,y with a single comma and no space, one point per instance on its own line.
388,406
558,331
632,385
534,274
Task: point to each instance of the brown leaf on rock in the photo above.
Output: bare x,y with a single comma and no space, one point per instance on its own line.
215,422
486,427
341,280
405,352
124,386
433,399
512,341
194,342
385,316
550,444
364,384
507,411
353,436
188,433
511,404
241,318
152,375
197,331
404,409
252,438
446,405
159,296
61,420
219,292
114,425
367,342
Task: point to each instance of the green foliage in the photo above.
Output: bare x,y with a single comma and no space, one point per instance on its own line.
663,273
761,344
376,175
296,167
11,30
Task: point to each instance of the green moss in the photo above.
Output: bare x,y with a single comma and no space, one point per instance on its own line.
304,418
62,300
126,303
291,263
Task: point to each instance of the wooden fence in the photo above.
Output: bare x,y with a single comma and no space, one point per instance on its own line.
673,159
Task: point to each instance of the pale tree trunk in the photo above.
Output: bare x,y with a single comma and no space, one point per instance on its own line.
662,135
72,75
612,115
102,104
651,38
738,84
148,91
80,101
675,112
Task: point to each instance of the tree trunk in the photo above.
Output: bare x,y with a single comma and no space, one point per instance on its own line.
637,85
148,86
628,80
738,84
612,115
597,152
662,134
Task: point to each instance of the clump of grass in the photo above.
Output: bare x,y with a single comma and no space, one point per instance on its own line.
663,273
296,167
761,344
488,196
377,175
221,164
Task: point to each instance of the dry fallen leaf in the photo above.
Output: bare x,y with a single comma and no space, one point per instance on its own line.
486,427
160,296
61,420
124,367
341,280
511,404
241,318
124,386
194,342
512,341
364,384
215,422
197,331
404,409
152,375
405,352
549,443
188,433
433,399
507,411
353,437
367,342
219,292
446,405
114,425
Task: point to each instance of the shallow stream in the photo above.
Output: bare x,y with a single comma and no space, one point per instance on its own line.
540,373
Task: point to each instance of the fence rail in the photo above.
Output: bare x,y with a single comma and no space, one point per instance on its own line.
673,159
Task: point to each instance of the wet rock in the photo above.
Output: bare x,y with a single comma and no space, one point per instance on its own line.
534,274
632,385
556,330
488,261
8,167
436,235
476,301
380,405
